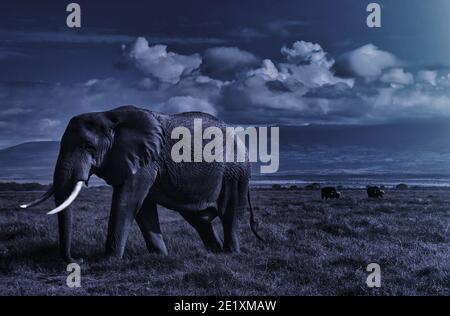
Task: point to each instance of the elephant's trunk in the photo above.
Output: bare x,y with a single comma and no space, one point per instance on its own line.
65,234
64,182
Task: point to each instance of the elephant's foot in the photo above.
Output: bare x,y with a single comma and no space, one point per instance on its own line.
113,255
232,249
231,243
155,243
112,251
67,257
214,246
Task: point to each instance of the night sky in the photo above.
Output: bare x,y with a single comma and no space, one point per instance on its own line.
248,62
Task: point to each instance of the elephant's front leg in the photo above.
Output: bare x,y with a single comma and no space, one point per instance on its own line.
127,200
148,222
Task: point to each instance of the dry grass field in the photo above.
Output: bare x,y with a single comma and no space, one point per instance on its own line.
313,247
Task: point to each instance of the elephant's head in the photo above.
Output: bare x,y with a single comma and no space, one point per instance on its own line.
112,145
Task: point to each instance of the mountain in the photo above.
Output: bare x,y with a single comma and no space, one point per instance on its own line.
424,135
419,147
32,161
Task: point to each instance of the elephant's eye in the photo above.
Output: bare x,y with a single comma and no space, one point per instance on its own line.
89,147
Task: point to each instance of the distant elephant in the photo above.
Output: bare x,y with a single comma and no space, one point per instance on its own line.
130,148
330,193
374,192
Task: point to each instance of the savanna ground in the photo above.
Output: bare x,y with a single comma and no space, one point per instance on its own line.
313,247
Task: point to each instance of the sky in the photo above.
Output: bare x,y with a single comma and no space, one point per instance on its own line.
248,62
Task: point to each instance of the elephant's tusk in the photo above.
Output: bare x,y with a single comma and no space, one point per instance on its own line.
43,198
69,200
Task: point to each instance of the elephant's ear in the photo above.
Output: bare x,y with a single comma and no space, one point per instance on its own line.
136,142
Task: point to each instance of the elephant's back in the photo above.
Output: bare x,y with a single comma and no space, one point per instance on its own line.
194,183
188,184
197,115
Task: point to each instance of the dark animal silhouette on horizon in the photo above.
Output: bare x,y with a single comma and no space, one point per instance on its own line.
330,193
374,192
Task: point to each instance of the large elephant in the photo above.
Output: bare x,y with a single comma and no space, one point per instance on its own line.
130,148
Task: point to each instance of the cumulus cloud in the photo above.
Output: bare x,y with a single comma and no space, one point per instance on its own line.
367,61
268,71
410,102
283,87
301,87
397,76
156,61
427,76
307,65
224,59
306,52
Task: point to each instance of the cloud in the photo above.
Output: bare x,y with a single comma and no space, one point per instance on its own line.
306,66
9,53
147,83
4,124
304,89
427,76
397,76
298,88
283,27
308,63
226,59
410,102
68,36
367,61
268,71
276,88
156,61
50,106
15,111
280,28
247,33
47,123
62,37
306,52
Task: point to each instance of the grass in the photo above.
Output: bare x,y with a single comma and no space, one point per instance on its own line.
313,247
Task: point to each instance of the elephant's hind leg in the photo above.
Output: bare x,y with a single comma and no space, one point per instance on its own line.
205,229
148,222
230,230
231,205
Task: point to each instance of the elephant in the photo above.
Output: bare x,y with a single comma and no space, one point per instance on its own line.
374,192
130,149
330,193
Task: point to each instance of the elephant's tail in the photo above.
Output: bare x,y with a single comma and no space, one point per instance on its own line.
253,223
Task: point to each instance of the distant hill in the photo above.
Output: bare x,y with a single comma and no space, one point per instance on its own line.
29,161
421,135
